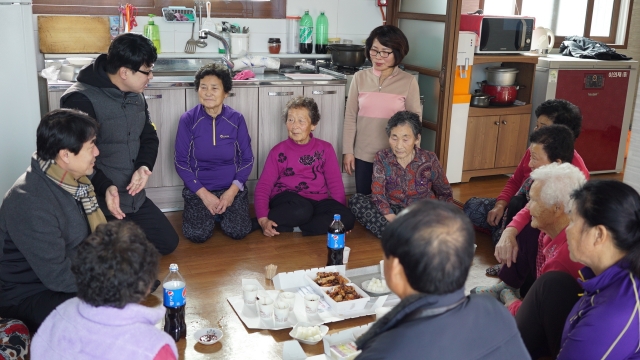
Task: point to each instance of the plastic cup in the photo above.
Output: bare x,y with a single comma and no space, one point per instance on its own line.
266,307
289,298
311,302
249,293
382,269
345,254
281,311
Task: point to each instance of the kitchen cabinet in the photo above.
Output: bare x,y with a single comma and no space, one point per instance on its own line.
165,108
330,100
496,137
245,101
495,142
273,129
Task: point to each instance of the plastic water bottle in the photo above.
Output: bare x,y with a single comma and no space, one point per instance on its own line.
335,242
306,33
174,300
322,33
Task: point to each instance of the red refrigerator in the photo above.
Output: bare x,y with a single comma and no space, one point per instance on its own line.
603,90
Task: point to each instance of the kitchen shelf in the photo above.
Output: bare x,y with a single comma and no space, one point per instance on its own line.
500,110
484,59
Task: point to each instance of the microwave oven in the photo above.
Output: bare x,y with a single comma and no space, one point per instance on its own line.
500,34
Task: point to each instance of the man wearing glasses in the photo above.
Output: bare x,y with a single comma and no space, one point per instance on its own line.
110,91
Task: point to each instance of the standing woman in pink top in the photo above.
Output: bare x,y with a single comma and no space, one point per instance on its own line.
375,95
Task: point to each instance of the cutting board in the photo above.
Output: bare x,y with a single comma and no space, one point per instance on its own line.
74,34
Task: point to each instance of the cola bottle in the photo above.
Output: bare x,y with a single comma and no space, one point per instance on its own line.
174,300
335,242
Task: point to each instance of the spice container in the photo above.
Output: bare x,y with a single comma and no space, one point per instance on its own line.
274,45
334,41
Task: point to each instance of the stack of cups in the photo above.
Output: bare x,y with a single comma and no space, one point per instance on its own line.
293,34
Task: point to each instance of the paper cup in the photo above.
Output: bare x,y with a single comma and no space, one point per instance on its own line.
249,293
311,302
281,311
265,306
289,298
345,254
382,269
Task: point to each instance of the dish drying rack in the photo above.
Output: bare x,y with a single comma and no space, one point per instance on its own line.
182,10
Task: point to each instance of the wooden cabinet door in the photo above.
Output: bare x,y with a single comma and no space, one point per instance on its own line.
480,145
330,100
272,128
512,139
165,109
245,101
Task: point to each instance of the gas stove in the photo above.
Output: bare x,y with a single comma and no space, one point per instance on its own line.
341,71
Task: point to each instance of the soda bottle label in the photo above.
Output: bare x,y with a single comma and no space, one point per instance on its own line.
306,34
335,241
175,297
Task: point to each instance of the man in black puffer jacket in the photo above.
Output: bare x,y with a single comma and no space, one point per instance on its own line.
428,252
110,91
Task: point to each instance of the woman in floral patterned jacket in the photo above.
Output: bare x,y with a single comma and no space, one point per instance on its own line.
402,175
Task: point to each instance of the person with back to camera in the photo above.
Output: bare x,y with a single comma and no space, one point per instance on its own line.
374,96
114,269
47,212
214,159
604,235
428,250
110,91
301,184
403,173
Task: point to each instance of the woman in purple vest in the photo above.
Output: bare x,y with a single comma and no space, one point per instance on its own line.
114,270
214,159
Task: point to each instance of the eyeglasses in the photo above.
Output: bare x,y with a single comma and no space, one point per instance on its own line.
383,54
145,72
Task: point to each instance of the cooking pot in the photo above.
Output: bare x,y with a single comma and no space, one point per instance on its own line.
497,75
502,95
347,55
480,99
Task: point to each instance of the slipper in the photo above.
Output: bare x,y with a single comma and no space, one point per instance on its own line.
493,270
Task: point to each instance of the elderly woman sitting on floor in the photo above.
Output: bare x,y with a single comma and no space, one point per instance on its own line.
402,175
301,184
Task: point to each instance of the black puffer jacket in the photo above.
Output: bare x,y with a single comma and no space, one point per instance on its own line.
585,48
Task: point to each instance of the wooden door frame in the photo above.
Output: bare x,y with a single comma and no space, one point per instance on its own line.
449,52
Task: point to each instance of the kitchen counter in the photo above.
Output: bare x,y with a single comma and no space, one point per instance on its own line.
203,55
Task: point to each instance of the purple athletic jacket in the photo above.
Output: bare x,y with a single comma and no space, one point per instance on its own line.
209,157
604,323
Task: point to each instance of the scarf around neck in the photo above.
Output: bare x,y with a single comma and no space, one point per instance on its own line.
81,190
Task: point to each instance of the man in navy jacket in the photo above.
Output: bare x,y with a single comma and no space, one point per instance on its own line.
428,252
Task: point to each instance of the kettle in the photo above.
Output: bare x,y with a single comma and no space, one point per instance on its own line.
542,40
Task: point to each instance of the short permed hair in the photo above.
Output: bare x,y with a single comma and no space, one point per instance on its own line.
115,265
556,141
63,129
301,102
405,118
433,240
131,51
216,70
562,112
560,180
389,36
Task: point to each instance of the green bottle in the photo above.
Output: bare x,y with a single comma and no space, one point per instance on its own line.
152,32
322,33
306,34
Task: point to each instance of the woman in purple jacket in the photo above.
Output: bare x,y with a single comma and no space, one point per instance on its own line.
214,159
604,234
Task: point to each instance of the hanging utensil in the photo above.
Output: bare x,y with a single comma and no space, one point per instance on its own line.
190,47
208,23
201,42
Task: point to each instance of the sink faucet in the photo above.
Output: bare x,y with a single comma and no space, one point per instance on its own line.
204,33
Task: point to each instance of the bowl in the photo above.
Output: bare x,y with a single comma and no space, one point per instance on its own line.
365,287
323,331
208,331
80,61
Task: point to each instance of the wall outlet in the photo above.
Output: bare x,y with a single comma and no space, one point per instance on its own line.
382,2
